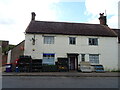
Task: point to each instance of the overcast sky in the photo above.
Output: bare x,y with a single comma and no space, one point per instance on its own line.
15,15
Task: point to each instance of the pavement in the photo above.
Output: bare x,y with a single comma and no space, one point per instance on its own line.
63,74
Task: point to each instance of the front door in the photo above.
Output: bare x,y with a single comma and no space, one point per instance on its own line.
72,63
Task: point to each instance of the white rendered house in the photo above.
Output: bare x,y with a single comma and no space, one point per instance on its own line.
94,43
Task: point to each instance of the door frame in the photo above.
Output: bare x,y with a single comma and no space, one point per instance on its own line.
76,59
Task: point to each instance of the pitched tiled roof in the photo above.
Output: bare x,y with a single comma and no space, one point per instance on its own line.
64,28
118,33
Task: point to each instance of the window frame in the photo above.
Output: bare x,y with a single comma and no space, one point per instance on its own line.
72,40
94,58
82,57
47,57
93,41
49,40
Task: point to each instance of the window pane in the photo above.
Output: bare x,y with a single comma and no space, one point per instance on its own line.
94,58
90,41
48,58
48,39
82,57
96,41
72,40
93,41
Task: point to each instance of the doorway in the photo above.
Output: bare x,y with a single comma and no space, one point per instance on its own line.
73,61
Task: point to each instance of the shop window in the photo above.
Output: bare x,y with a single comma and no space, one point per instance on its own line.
48,58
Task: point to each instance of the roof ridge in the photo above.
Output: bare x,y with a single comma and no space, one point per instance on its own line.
66,22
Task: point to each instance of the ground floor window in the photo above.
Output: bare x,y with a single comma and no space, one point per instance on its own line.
94,58
83,57
48,58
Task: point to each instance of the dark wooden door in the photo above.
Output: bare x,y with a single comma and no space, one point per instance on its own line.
72,63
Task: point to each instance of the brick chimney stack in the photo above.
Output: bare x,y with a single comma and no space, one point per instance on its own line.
33,16
103,19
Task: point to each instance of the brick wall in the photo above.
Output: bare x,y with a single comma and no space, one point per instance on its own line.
17,51
3,56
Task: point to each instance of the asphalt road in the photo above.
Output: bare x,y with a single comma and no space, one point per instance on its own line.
58,82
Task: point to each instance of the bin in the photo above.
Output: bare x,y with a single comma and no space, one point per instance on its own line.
8,67
17,69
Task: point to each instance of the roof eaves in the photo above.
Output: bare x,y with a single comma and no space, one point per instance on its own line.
72,34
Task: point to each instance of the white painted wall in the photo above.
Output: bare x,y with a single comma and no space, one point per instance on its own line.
119,14
107,48
119,56
0,55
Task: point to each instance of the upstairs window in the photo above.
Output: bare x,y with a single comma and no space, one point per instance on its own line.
72,40
48,39
93,41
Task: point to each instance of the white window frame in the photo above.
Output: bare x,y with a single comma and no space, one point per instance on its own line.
94,58
83,57
49,39
72,40
93,41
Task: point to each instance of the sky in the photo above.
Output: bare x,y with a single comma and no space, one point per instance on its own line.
15,15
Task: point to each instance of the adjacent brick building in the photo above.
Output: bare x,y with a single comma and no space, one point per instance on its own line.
17,51
4,46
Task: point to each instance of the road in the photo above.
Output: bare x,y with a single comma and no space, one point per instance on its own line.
58,82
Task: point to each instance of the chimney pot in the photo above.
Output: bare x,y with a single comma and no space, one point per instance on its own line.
102,19
33,16
101,14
